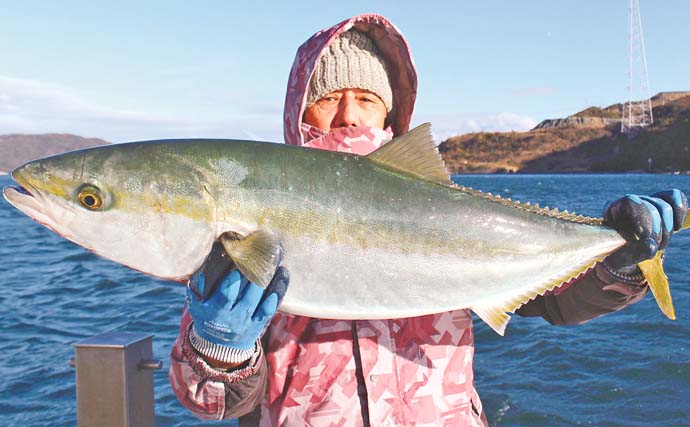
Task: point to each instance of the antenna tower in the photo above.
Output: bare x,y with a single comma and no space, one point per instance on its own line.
637,110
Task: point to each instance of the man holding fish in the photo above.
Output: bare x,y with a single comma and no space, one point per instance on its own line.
352,87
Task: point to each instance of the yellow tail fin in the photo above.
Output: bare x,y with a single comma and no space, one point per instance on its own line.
653,271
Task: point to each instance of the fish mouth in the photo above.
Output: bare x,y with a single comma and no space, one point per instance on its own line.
21,198
20,191
31,202
24,197
17,196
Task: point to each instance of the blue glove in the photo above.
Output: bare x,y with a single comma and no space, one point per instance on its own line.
647,223
237,312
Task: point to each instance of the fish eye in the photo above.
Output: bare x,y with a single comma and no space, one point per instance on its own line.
90,197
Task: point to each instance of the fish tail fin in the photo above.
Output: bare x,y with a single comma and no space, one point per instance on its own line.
495,317
653,271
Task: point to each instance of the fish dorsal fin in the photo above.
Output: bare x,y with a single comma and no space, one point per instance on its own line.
532,208
256,256
414,153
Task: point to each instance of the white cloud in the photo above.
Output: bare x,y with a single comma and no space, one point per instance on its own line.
447,125
30,106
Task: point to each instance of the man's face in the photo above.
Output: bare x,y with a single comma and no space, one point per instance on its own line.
346,107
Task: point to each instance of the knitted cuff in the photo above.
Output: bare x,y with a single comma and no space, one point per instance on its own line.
628,279
219,352
207,372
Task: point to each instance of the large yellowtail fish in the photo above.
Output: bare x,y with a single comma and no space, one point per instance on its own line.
380,236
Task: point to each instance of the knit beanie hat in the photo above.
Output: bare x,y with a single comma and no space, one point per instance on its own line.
351,61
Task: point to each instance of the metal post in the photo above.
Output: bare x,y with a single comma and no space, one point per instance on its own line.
115,380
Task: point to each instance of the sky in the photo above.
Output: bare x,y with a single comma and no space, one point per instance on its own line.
138,70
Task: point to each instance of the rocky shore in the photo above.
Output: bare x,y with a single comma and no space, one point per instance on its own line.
587,142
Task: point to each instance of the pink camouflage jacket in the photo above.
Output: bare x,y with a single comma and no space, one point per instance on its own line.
318,372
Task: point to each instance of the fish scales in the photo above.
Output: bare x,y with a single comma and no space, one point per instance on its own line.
379,236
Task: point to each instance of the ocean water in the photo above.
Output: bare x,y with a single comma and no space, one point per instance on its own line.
630,368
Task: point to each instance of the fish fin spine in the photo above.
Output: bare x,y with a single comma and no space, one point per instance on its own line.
414,153
532,208
495,314
496,318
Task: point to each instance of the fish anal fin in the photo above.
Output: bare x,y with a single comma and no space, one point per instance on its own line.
495,313
256,255
496,318
653,271
414,153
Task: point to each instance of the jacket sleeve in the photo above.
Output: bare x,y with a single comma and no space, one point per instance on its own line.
209,393
593,294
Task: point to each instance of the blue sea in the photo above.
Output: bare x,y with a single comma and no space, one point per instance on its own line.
630,368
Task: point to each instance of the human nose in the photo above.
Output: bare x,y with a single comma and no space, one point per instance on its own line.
347,114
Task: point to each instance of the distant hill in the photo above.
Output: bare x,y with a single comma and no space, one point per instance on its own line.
18,149
588,141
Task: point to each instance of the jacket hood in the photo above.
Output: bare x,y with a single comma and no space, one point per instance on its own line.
395,51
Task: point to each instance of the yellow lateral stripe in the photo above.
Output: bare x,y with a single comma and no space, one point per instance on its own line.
653,271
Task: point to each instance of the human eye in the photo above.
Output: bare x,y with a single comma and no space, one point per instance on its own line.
329,98
369,99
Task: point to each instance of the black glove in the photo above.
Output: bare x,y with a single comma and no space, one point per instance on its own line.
647,223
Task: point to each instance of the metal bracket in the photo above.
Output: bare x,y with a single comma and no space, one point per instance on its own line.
115,380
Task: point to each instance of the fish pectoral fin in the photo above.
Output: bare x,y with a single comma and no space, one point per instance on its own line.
653,271
256,255
496,317
414,153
